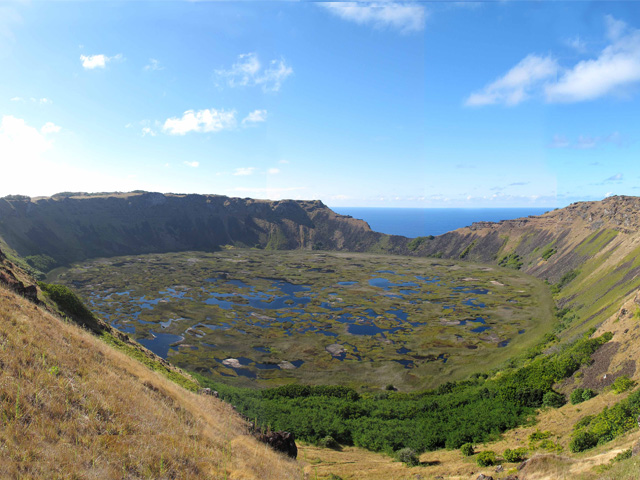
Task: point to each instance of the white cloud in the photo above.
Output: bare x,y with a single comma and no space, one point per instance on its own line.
243,171
207,120
148,131
153,65
274,171
248,71
17,99
50,127
617,66
21,142
192,164
516,85
283,161
255,117
90,62
403,16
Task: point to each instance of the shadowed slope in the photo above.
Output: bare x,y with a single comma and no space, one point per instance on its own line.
72,228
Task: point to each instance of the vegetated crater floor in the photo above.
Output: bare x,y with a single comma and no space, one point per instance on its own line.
262,318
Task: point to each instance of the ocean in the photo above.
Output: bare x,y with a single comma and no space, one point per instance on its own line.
417,222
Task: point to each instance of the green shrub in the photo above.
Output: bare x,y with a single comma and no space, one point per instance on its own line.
576,396
515,455
625,454
583,422
467,449
414,244
582,440
486,458
553,399
329,442
511,261
548,253
588,394
538,435
622,384
408,456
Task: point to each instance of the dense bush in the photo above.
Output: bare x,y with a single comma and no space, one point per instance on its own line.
588,394
580,395
486,458
622,384
473,411
515,455
408,456
582,440
576,396
553,399
467,449
66,300
607,425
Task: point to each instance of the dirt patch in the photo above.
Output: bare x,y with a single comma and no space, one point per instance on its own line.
598,375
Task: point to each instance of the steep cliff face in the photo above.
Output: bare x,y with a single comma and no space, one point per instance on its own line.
590,250
71,228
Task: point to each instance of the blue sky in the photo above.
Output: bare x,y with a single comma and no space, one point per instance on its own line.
488,104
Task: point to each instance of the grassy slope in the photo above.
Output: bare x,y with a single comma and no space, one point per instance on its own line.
72,407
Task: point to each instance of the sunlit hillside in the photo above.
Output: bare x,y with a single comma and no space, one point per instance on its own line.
73,407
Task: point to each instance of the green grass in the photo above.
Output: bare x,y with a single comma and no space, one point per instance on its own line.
595,242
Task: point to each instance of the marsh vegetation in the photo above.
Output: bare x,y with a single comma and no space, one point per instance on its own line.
253,317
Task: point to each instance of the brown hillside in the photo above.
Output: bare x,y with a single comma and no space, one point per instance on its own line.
72,407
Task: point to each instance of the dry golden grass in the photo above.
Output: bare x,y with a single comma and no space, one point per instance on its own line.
72,407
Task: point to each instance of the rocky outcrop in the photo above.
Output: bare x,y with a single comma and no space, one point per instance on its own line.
283,442
16,280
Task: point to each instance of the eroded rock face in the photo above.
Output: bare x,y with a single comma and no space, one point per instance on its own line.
7,278
283,442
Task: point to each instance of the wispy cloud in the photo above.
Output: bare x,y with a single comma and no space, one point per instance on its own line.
207,120
618,177
273,171
244,171
40,101
91,62
256,116
192,164
148,131
248,71
585,142
153,65
616,67
403,16
577,43
517,84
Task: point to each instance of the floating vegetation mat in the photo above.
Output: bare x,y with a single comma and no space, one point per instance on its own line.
268,318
